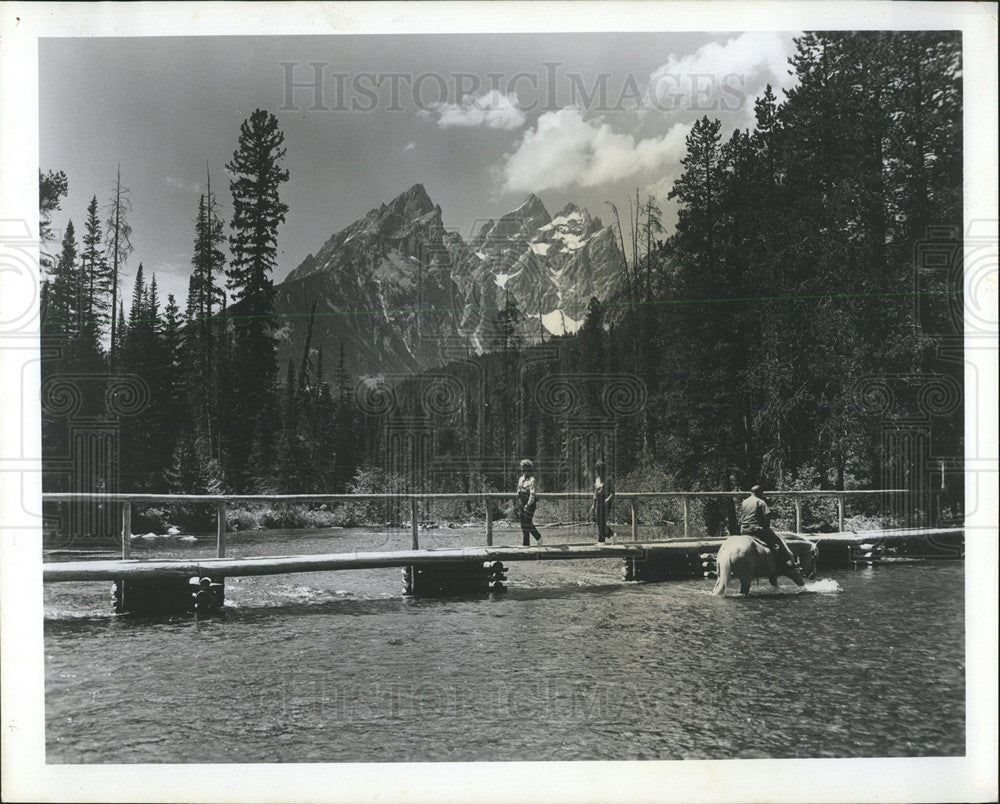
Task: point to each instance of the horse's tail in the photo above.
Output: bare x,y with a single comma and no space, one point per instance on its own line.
723,570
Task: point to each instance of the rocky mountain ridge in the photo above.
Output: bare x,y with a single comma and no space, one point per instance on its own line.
403,294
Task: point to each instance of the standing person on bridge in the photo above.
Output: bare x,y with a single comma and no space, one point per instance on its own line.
755,520
524,505
604,496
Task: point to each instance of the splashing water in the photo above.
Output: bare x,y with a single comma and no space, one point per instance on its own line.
823,586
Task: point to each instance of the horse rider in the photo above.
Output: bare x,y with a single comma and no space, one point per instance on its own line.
755,521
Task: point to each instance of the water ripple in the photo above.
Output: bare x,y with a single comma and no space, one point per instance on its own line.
340,667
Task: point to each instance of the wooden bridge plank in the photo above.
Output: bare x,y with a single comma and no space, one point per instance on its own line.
277,565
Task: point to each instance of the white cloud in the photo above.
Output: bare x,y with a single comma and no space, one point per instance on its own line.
493,110
177,184
721,75
565,150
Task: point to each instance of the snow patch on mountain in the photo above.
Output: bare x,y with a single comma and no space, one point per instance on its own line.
556,322
571,241
502,279
562,220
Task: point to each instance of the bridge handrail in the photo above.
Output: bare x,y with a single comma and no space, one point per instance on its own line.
59,496
220,501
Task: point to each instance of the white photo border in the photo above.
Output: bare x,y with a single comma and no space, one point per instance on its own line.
26,776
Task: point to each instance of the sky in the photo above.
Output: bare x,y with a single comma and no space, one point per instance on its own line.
479,120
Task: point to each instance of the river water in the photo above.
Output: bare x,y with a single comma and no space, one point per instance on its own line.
571,663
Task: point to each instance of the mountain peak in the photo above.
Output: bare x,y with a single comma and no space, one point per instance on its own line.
531,206
532,212
417,191
518,223
411,204
579,217
569,209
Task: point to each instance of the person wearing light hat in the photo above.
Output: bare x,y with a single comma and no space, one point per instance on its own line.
524,505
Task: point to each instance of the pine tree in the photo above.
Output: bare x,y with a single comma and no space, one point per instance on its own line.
192,468
94,266
592,351
650,229
135,432
213,261
118,236
121,321
174,402
696,339
338,425
52,186
293,462
697,192
508,326
506,340
62,295
257,213
204,295
183,474
200,348
152,311
138,301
